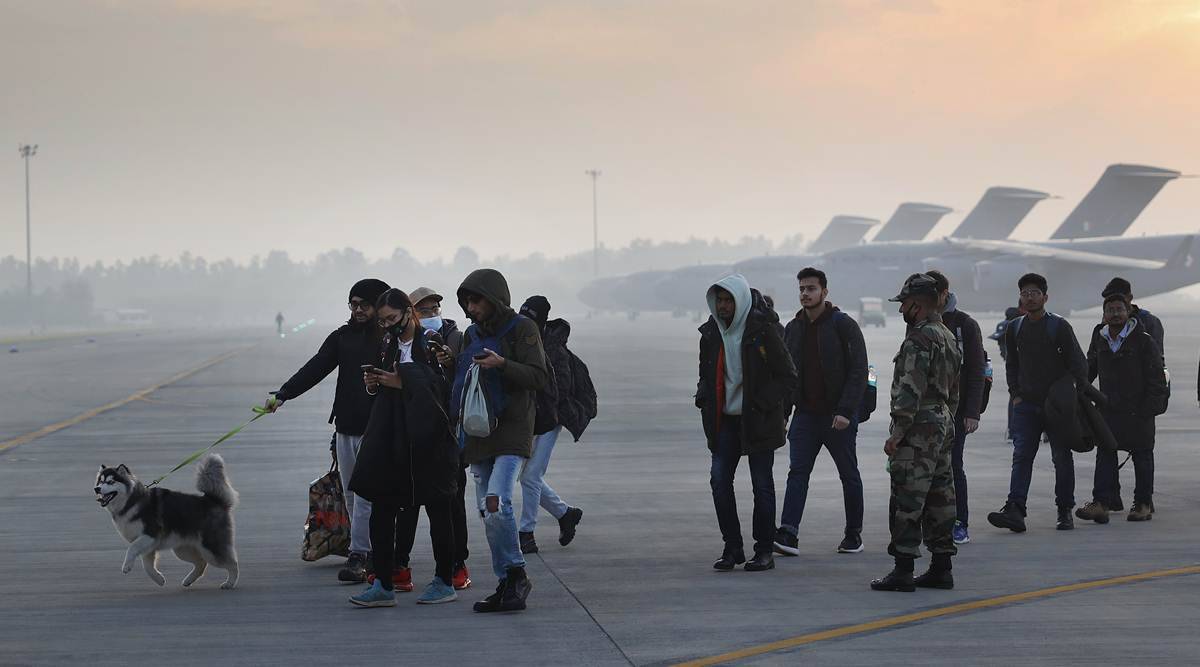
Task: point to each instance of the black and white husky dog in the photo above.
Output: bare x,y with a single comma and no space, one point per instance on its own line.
198,528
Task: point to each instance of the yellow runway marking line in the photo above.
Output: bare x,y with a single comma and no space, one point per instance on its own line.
136,396
905,619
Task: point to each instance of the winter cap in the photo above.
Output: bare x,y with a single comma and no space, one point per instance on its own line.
1117,286
368,289
537,308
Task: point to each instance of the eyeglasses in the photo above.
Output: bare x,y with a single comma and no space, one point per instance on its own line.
1032,292
360,305
429,311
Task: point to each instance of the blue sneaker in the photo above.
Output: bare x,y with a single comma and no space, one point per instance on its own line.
375,596
960,533
437,592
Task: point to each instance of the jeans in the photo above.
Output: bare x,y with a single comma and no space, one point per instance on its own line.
389,524
960,475
1028,423
807,434
406,526
1107,487
359,509
725,459
535,491
496,478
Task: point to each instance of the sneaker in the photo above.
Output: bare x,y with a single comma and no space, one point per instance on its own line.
786,543
1141,512
1011,516
375,596
761,562
851,544
355,570
401,579
492,602
528,544
960,534
461,578
1065,522
437,592
567,524
1093,511
895,581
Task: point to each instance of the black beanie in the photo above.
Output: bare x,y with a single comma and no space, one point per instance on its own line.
1117,286
368,289
537,308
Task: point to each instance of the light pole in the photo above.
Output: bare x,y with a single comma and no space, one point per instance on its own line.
595,174
27,152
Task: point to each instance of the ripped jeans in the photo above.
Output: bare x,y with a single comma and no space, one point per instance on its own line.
498,477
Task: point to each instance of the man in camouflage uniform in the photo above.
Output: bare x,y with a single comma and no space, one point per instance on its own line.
924,397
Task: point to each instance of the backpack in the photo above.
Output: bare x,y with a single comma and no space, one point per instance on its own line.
584,392
870,398
987,368
1052,322
478,396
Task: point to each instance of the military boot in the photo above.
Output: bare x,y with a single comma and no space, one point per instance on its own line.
938,575
899,579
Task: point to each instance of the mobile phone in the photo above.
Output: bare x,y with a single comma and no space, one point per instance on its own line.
368,368
480,357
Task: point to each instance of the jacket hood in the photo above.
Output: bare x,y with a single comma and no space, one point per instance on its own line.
951,303
830,309
736,285
557,332
491,285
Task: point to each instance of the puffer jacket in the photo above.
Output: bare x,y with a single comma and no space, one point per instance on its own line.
1132,379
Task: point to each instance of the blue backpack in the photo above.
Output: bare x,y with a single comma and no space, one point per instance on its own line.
493,385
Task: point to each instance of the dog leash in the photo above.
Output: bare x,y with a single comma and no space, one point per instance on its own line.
258,410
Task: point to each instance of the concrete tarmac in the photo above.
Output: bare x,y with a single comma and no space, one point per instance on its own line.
636,586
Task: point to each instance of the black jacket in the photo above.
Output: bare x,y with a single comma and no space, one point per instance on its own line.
1132,379
1030,375
768,381
346,349
408,455
575,402
966,333
1074,418
843,360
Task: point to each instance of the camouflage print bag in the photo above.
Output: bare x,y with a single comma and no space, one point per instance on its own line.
327,530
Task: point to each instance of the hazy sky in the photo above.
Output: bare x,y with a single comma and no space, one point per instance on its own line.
230,128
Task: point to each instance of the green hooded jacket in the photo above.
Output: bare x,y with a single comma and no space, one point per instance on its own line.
524,372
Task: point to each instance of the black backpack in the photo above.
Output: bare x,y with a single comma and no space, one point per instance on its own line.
870,398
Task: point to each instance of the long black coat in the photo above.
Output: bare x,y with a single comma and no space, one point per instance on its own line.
1132,378
408,455
768,380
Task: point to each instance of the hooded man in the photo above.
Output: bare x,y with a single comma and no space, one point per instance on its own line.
496,460
347,349
746,377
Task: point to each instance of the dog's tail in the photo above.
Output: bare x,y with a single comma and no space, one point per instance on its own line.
212,482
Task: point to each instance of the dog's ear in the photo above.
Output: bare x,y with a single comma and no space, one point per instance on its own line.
102,467
123,469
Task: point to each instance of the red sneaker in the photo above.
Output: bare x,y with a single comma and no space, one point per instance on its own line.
401,580
462,578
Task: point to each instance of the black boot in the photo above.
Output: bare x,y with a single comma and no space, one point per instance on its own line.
567,524
528,544
938,575
899,579
492,602
1065,522
761,561
516,589
732,557
1011,516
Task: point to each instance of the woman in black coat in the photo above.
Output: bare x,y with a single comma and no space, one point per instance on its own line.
408,456
1130,366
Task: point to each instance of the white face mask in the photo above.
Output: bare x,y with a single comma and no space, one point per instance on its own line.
432,323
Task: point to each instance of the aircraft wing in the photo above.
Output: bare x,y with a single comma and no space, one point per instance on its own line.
1034,251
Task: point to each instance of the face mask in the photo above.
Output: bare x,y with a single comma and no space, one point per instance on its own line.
399,327
432,323
909,318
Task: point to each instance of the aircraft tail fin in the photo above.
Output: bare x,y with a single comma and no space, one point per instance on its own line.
1115,201
998,213
1182,257
842,231
911,222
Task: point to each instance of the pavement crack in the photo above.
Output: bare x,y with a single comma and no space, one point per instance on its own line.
583,606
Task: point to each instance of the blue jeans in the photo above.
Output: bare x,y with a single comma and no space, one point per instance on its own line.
725,459
496,478
806,436
1028,422
535,491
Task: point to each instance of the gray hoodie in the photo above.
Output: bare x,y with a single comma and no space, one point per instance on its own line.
731,335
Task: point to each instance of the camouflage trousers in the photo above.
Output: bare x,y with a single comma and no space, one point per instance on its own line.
922,500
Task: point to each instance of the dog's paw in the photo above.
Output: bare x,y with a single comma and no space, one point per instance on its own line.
158,579
227,586
126,568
